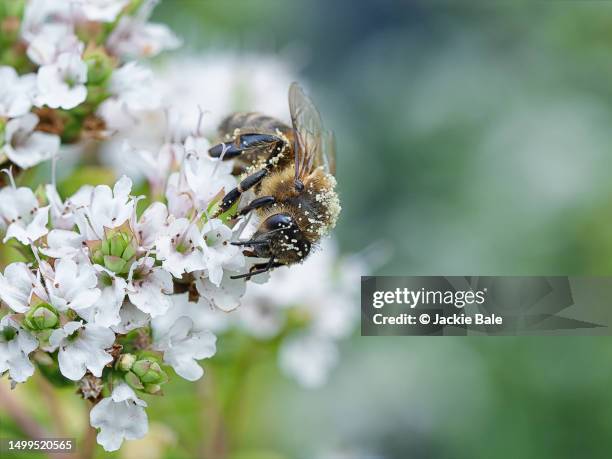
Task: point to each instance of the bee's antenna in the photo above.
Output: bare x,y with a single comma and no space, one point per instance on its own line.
250,242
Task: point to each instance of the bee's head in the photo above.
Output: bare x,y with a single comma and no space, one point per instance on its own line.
284,239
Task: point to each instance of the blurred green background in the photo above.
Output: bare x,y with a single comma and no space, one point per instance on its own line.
473,138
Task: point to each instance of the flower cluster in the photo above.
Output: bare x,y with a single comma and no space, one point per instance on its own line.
60,60
119,292
195,90
95,290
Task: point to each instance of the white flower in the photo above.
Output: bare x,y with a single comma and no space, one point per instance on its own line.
183,345
15,346
131,318
62,83
180,248
41,13
132,84
261,320
151,223
134,37
332,307
73,286
50,40
150,287
120,416
308,359
17,285
106,311
180,202
64,244
226,296
26,147
100,10
108,209
202,313
82,348
336,317
62,213
16,93
206,176
154,166
24,219
210,80
219,253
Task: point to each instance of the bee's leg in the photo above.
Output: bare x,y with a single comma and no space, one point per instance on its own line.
232,196
257,203
247,142
259,268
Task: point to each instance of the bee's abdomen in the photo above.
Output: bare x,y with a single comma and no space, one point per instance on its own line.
250,122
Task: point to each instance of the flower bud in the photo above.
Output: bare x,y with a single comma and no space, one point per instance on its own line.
99,65
152,388
126,361
116,252
41,317
133,381
146,374
115,264
118,243
141,367
149,372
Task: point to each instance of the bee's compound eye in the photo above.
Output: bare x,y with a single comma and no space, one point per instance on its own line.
278,221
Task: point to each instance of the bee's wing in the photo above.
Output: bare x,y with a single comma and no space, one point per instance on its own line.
307,126
328,157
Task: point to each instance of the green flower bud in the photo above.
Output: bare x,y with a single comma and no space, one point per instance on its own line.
115,264
105,248
41,317
116,252
118,243
152,388
133,381
99,65
129,252
154,375
141,367
98,257
149,372
126,361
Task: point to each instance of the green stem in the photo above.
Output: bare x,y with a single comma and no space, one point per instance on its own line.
226,400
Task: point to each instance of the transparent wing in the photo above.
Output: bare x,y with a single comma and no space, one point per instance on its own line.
307,126
328,156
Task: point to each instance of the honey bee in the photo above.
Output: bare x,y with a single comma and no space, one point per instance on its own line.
291,172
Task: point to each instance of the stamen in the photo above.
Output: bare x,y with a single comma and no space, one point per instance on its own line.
9,172
225,148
